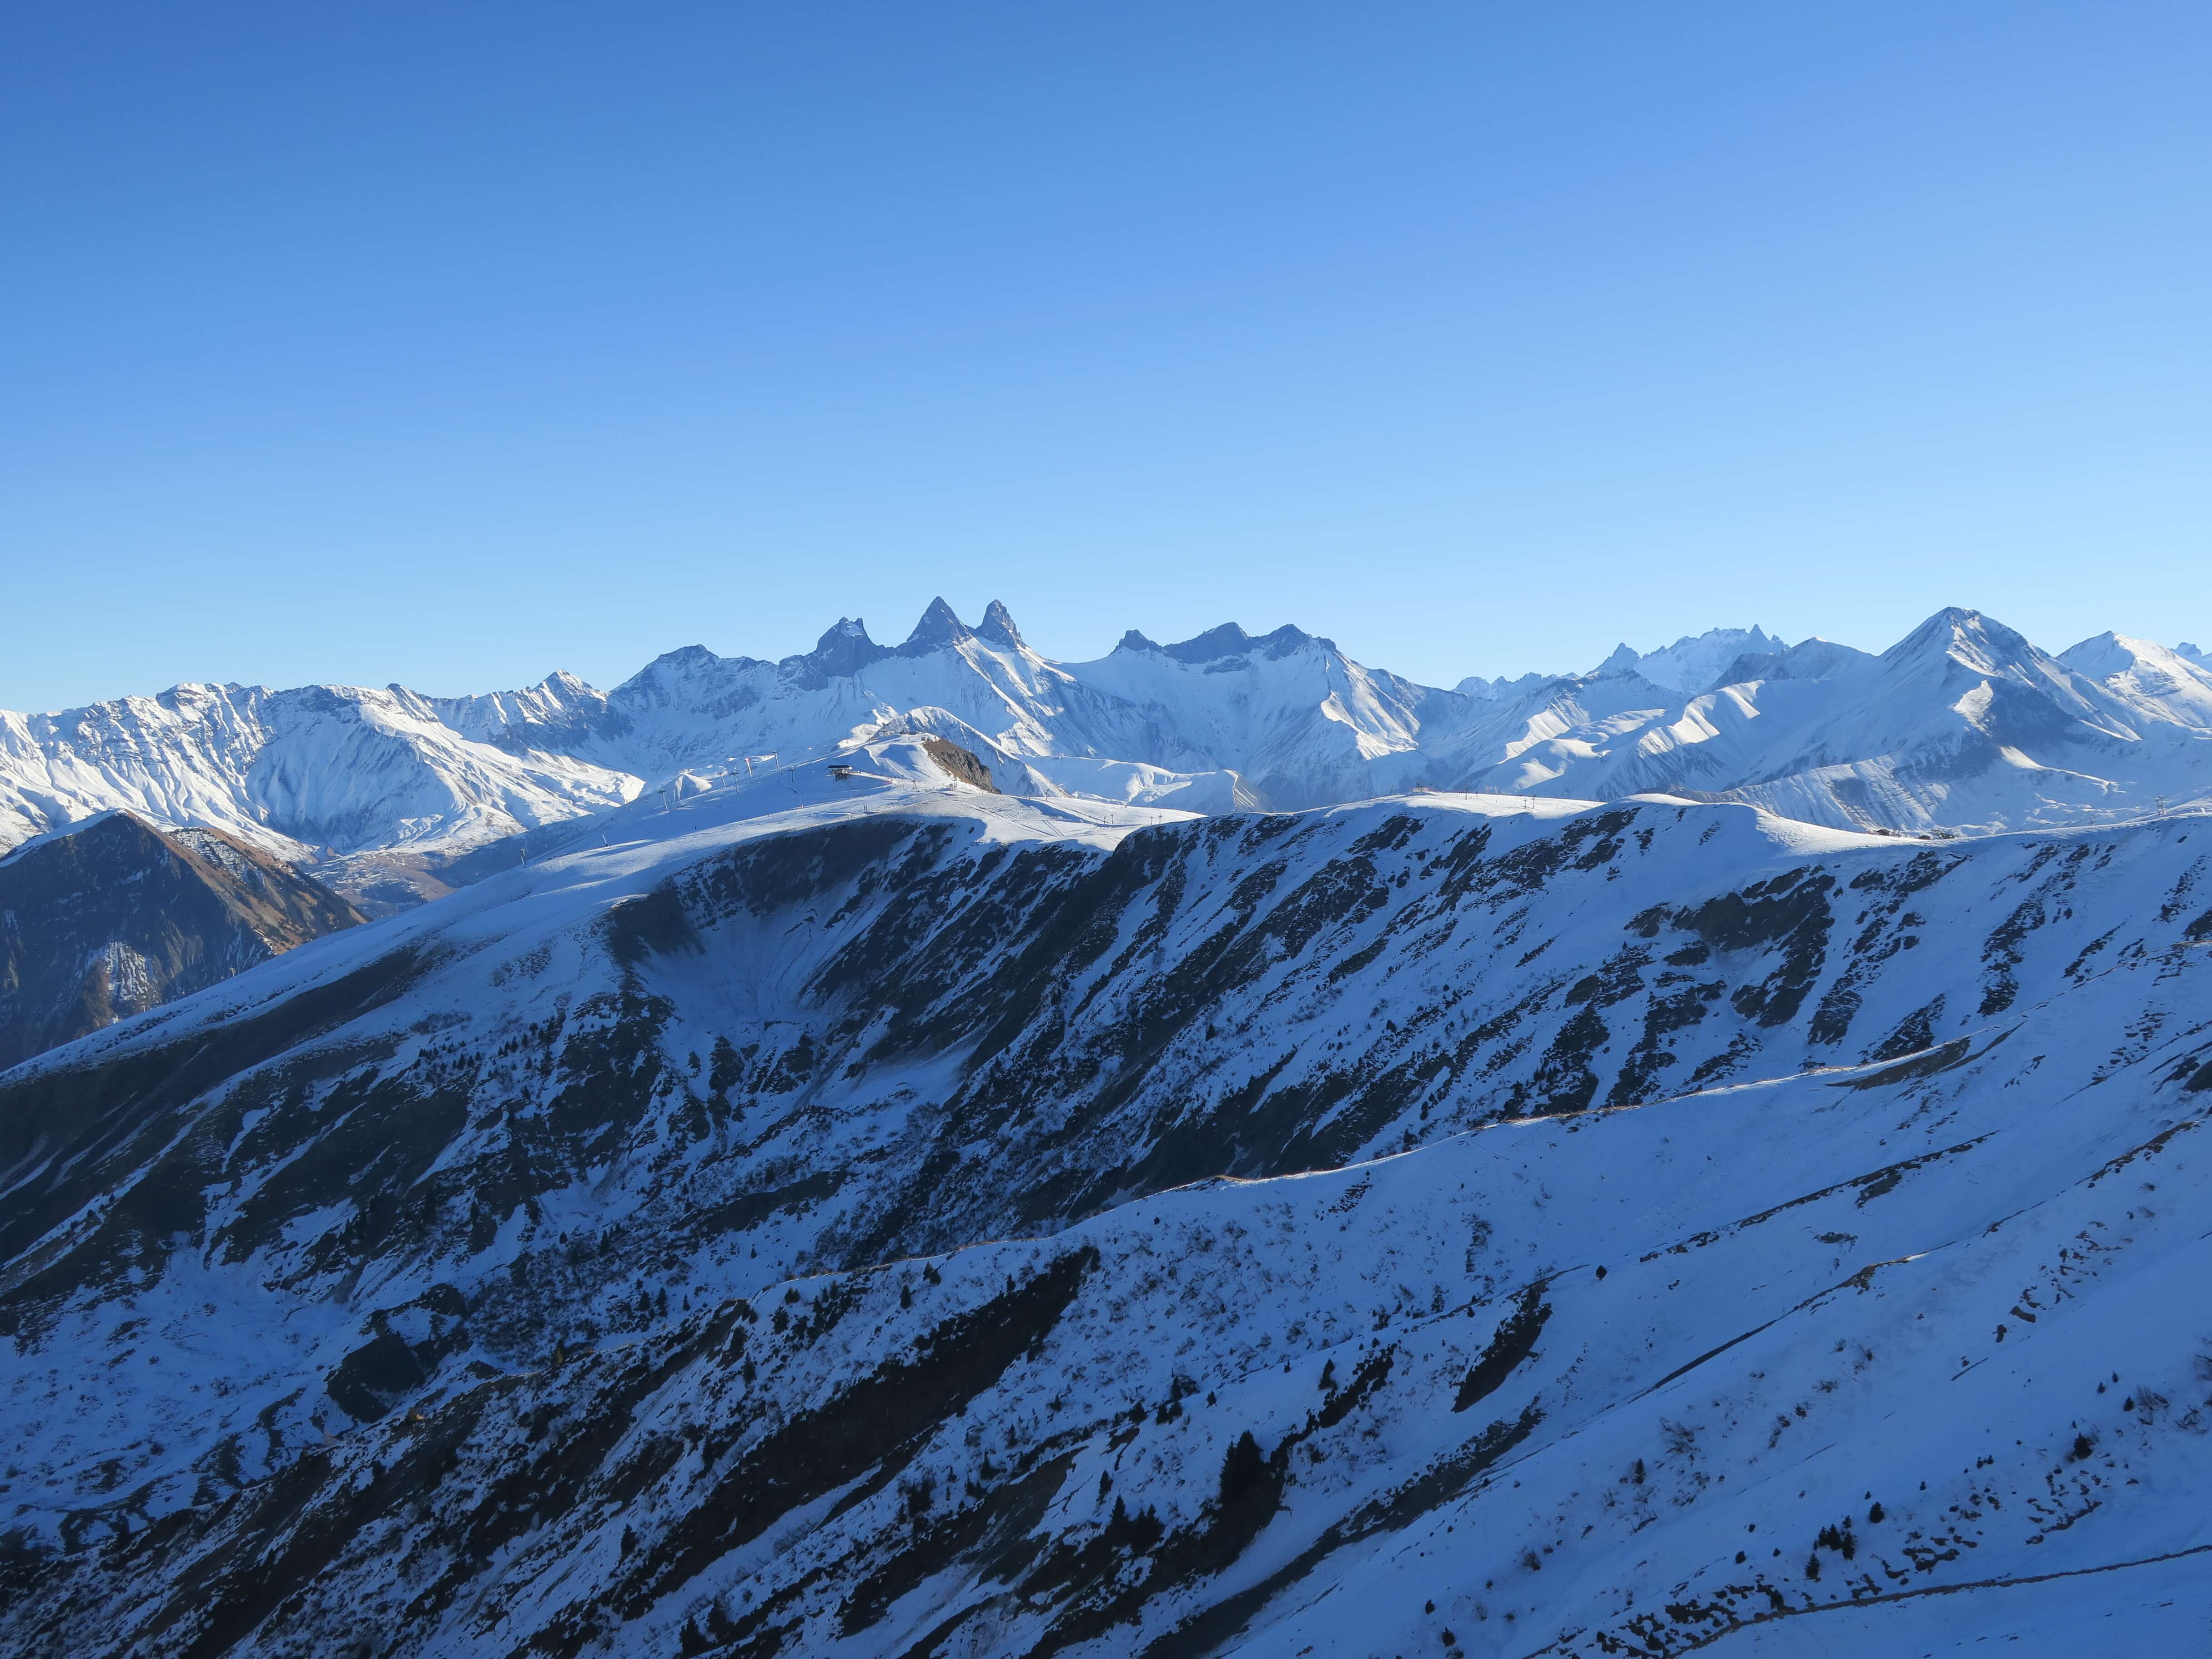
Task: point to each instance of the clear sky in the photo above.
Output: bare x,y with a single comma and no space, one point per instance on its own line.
453,344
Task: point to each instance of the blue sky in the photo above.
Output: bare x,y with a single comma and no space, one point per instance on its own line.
452,344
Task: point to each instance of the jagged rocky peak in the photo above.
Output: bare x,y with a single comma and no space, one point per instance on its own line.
939,627
844,648
1231,640
998,627
1135,640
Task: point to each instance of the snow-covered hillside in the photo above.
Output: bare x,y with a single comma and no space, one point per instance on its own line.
1962,726
1477,1224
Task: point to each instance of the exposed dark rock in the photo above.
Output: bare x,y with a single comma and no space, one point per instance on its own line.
938,628
115,917
960,762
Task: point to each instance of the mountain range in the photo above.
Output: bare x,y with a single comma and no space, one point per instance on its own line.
893,1165
1964,726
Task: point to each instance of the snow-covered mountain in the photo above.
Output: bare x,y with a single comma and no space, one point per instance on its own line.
1283,722
1962,726
335,768
2162,686
1296,722
1694,662
870,1214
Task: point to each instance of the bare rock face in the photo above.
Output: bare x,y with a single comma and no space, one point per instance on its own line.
962,763
116,917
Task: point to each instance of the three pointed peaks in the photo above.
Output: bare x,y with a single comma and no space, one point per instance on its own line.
845,648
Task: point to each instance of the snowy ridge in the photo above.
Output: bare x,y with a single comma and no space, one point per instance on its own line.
341,768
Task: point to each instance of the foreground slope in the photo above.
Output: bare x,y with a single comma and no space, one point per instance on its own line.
539,1272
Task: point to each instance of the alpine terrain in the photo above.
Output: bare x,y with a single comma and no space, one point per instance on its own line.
112,916
934,1150
1964,725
